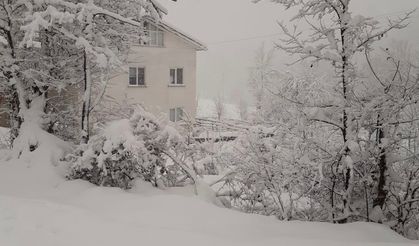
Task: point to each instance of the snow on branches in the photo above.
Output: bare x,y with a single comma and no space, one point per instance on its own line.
333,31
124,150
43,43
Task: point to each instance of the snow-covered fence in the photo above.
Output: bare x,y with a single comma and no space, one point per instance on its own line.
222,125
219,130
224,130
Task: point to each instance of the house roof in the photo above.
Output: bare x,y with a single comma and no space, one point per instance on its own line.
186,37
159,7
198,45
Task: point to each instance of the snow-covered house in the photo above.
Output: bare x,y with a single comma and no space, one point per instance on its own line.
160,72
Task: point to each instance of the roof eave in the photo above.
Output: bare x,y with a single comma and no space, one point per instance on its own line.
198,45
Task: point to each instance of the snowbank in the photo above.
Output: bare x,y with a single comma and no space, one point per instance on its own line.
41,208
38,207
111,217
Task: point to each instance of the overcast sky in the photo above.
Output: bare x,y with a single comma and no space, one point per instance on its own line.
234,29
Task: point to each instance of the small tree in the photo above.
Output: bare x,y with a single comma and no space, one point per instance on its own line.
336,37
125,150
219,103
51,31
243,107
262,75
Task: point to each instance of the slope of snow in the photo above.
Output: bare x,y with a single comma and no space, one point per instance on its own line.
110,217
38,207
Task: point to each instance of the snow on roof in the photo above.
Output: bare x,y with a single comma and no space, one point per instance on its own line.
159,6
186,37
195,42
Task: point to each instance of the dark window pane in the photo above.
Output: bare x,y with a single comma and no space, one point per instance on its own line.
155,35
152,27
133,76
172,115
160,38
141,76
179,115
180,76
172,76
153,38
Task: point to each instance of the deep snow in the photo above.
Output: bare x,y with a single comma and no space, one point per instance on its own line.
38,207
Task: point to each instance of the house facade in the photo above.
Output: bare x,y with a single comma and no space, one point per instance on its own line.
160,73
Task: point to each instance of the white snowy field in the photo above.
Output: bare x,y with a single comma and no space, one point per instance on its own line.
39,207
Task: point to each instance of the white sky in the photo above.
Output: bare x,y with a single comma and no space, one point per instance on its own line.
224,67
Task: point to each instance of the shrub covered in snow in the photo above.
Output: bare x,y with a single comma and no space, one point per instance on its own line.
270,177
124,150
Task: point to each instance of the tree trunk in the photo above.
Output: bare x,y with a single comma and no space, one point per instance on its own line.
345,128
15,119
85,116
381,196
13,97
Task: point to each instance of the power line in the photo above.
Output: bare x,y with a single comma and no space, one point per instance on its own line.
277,34
245,39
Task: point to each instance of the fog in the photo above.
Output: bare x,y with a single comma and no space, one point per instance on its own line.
234,29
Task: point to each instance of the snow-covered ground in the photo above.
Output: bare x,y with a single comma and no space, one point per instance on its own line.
38,207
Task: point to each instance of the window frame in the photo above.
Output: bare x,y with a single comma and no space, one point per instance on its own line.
153,32
178,114
172,114
137,77
176,76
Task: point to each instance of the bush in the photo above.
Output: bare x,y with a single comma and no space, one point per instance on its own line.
124,150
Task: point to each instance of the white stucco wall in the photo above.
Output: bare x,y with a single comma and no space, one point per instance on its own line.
158,96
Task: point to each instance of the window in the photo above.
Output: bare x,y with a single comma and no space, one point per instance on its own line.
136,76
176,114
173,114
155,36
176,76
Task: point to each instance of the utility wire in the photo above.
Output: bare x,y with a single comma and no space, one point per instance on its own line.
277,34
245,39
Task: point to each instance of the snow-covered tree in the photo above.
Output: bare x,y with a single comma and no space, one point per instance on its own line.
145,147
124,150
336,37
219,103
262,75
243,108
54,30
